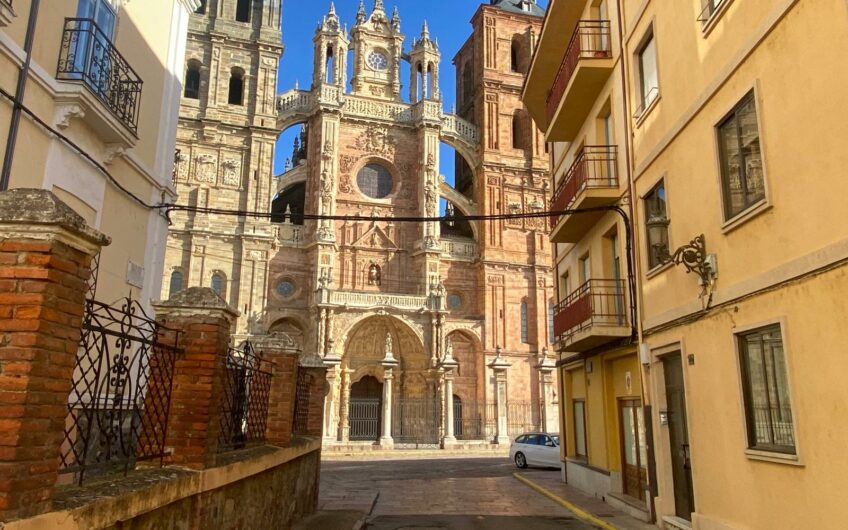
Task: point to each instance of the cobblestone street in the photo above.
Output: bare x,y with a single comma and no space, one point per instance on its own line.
453,493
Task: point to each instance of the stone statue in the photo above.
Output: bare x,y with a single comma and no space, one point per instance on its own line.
374,275
389,352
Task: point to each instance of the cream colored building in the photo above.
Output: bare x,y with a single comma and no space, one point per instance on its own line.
579,103
735,114
352,289
107,75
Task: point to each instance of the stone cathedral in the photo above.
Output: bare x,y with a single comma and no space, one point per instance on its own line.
434,331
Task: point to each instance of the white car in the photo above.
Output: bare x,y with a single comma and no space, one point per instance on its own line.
535,449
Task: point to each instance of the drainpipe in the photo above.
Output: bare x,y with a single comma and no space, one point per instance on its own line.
23,76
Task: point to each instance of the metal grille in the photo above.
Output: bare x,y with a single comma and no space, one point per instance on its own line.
301,403
364,418
244,401
88,55
91,284
416,421
521,417
595,303
120,398
470,420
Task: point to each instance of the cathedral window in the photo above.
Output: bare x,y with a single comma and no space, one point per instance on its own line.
236,95
243,11
519,137
176,283
285,288
524,329
192,81
374,181
217,284
330,65
516,58
454,301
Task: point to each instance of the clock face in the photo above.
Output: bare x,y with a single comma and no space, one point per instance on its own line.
378,60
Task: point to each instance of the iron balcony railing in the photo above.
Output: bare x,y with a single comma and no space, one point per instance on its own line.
87,55
591,40
595,166
595,303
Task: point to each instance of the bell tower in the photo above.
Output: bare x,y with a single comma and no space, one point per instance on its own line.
378,49
331,45
424,68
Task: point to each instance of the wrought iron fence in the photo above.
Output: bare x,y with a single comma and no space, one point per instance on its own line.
470,420
87,55
119,401
301,401
416,421
244,400
595,166
521,417
364,418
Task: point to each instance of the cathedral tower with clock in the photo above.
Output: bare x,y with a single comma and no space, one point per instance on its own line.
433,331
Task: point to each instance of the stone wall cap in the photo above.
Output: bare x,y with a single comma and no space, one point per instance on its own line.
196,298
29,206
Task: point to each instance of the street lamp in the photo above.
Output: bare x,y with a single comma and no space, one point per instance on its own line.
693,256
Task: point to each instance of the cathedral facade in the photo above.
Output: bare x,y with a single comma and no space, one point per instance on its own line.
434,325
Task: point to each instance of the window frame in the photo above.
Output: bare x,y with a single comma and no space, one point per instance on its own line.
525,322
192,67
752,446
236,73
577,455
384,167
174,273
645,105
728,216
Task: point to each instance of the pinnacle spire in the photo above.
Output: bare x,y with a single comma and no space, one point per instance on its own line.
378,6
360,13
425,30
332,8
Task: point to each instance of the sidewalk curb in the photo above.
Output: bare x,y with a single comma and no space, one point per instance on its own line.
580,513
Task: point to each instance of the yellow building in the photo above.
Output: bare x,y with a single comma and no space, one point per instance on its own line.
574,93
735,113
106,75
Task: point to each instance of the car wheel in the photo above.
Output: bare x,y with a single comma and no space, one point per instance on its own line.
520,461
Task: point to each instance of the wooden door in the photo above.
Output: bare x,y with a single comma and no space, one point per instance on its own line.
681,463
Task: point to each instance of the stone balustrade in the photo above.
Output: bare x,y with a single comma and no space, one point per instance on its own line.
371,300
459,249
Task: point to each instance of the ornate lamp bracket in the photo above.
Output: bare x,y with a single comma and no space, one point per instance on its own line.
693,256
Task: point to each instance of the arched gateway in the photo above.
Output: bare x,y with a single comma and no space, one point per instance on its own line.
381,351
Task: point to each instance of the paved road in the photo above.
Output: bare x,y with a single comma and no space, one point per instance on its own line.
449,493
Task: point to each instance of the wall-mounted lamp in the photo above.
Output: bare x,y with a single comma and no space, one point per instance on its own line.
693,256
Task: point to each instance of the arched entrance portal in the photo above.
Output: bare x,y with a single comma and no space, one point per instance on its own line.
411,402
366,404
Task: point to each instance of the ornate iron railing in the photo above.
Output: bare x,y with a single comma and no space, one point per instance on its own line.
470,418
595,166
522,417
301,402
244,400
590,40
87,55
416,421
120,398
595,303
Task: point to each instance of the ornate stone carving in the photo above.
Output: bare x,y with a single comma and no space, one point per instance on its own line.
377,140
66,112
230,174
204,168
112,152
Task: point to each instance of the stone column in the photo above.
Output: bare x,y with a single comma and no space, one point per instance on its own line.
45,260
280,349
550,421
205,322
499,368
331,420
344,405
389,363
449,365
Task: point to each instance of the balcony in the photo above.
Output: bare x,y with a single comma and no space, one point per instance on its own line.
88,57
585,69
593,315
590,182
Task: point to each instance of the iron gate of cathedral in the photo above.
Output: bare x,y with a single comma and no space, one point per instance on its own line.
415,421
364,419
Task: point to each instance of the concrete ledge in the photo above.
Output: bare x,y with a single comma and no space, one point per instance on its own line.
103,503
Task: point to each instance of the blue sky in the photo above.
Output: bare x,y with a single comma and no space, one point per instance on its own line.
449,22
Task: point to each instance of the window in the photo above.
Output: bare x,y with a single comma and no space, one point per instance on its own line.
515,57
330,66
285,288
217,284
201,10
551,320
648,80
709,9
454,301
585,269
519,137
374,181
741,158
103,15
564,284
656,224
236,95
524,337
192,81
766,393
243,11
176,283
579,429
